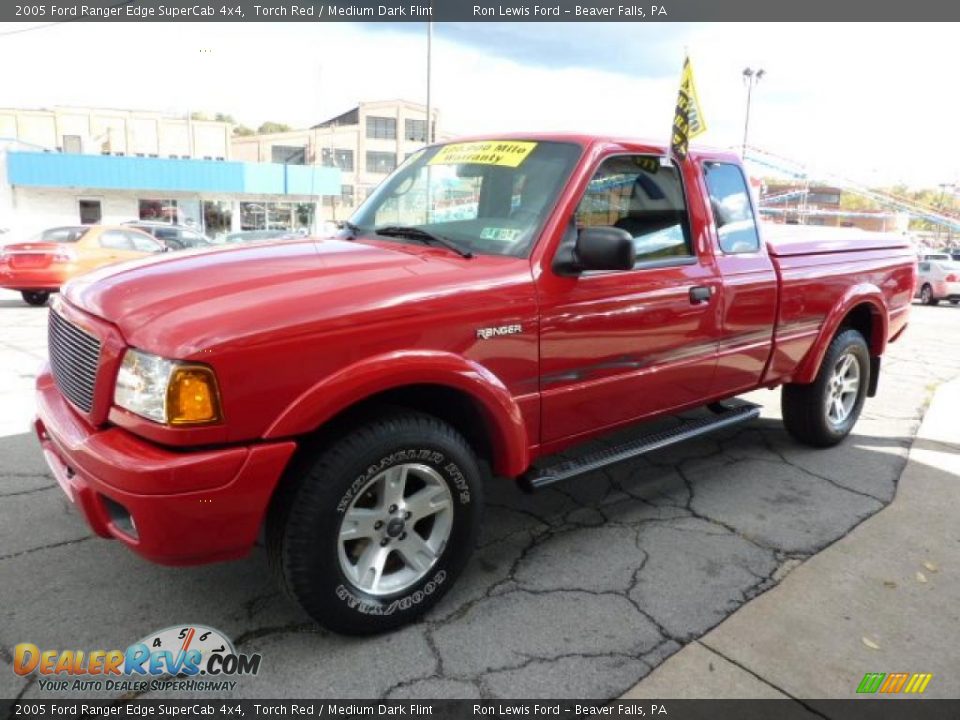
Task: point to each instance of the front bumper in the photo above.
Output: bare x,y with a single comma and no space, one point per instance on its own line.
172,507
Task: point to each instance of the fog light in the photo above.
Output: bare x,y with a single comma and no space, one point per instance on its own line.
120,517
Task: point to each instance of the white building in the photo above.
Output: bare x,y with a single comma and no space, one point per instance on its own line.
365,143
67,166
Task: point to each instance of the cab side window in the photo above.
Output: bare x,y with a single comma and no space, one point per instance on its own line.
732,209
115,240
644,196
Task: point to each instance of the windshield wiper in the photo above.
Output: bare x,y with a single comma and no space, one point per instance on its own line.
415,233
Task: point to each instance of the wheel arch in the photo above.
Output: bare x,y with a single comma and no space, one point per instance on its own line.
462,393
862,308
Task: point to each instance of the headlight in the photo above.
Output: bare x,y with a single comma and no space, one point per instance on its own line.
167,391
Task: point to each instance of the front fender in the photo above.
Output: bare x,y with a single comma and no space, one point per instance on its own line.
864,293
389,371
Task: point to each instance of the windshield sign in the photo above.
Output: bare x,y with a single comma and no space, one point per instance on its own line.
488,197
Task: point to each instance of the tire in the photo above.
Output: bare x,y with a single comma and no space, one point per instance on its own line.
810,412
351,479
926,296
35,297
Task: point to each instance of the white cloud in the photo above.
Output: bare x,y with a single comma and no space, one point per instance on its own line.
868,101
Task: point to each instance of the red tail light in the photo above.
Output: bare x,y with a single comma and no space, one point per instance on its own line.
951,278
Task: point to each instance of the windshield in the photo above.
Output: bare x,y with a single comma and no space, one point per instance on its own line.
488,197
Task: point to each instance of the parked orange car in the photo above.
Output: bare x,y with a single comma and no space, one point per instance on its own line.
40,266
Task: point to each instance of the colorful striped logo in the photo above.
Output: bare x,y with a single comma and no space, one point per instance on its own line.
892,683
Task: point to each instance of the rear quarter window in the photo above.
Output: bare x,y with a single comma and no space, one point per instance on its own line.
732,208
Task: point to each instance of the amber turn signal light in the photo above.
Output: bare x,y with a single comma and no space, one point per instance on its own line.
192,396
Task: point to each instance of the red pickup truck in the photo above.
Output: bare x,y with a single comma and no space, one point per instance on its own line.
492,302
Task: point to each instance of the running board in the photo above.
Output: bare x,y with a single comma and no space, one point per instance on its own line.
724,416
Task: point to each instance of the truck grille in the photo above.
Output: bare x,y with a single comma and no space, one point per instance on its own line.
74,356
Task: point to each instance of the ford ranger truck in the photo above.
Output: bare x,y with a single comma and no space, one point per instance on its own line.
493,302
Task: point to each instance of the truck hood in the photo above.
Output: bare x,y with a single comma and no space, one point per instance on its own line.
181,304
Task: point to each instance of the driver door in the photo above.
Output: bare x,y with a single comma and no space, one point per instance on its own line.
617,346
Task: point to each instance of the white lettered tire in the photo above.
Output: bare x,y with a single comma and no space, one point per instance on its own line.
373,529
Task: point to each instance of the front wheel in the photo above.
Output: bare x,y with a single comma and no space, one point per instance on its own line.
824,412
376,528
35,297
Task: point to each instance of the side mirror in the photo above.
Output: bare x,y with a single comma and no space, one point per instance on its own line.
604,248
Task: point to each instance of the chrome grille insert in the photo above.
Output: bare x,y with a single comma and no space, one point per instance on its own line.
74,356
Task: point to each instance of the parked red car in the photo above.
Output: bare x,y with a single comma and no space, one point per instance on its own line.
41,265
492,303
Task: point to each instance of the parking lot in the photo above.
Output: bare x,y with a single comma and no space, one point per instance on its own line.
577,591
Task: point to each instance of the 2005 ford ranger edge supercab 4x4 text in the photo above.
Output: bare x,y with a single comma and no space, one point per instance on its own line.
491,303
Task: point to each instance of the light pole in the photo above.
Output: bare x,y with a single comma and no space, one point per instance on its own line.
429,68
750,77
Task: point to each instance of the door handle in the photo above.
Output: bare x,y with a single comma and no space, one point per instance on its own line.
700,294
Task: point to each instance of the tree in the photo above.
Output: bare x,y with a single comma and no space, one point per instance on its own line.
851,201
273,127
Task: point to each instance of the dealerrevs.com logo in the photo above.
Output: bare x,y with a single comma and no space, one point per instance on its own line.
182,657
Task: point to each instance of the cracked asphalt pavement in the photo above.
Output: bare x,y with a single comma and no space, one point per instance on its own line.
577,591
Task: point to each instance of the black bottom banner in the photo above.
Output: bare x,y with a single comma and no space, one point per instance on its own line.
854,709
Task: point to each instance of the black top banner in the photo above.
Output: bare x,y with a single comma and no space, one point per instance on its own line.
481,11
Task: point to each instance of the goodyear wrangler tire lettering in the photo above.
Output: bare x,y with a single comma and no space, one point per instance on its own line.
357,576
386,462
355,603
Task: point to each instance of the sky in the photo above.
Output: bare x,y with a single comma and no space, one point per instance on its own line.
874,103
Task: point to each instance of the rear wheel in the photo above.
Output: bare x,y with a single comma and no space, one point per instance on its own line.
35,297
375,528
926,296
824,412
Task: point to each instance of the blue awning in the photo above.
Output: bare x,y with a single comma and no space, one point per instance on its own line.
59,170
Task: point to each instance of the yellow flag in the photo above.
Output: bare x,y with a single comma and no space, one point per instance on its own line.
688,120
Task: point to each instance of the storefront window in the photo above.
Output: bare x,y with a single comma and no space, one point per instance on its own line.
279,216
158,210
175,212
303,217
253,216
217,218
188,213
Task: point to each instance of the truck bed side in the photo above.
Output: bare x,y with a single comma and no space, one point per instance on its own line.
829,277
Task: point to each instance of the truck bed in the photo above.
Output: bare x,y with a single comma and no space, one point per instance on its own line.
820,268
791,240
